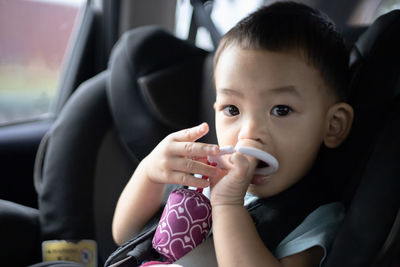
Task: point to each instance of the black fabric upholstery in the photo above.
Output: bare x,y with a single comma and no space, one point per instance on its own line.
291,206
84,166
375,205
20,234
207,99
66,193
367,163
156,89
114,168
58,264
136,56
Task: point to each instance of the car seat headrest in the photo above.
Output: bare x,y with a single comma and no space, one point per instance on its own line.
153,89
366,165
372,58
167,105
374,89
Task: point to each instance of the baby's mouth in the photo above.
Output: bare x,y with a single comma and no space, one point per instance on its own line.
259,179
262,164
261,156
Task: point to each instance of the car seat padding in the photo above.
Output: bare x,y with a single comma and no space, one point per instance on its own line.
135,107
66,192
370,170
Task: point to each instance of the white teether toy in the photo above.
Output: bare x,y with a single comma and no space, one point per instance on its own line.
271,161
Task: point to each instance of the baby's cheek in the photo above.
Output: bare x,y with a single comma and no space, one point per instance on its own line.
296,168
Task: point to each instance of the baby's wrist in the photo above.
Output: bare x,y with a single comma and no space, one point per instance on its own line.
220,210
144,168
221,202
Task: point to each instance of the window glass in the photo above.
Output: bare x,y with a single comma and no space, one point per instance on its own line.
387,6
33,40
225,14
366,12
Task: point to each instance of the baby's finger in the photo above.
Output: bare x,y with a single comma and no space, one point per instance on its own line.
193,149
200,159
242,167
193,166
191,134
252,164
186,179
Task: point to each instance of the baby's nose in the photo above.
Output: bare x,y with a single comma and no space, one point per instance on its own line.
253,131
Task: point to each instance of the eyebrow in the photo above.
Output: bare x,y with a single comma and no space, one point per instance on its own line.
227,91
288,89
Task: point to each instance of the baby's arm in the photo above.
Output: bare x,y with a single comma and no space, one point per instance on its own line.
172,162
236,239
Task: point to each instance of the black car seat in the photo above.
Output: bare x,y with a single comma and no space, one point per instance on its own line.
108,126
366,172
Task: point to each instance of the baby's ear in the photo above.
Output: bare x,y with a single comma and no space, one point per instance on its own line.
339,121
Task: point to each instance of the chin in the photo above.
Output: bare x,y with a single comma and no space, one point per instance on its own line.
261,191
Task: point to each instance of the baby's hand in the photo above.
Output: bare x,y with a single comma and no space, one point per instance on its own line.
230,190
177,157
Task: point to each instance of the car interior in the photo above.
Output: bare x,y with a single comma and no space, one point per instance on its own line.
125,88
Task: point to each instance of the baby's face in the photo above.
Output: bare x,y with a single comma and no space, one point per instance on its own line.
272,101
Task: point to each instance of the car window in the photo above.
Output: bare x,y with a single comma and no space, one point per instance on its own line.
368,11
387,6
34,36
225,14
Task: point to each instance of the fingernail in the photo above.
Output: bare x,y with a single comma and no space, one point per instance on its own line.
202,126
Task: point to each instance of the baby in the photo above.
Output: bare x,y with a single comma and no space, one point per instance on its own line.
280,77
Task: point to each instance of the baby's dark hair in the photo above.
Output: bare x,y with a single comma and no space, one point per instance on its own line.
291,26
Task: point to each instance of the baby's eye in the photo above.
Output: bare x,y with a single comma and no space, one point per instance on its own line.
281,110
231,111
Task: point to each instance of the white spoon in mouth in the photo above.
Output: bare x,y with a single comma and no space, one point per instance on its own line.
270,161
